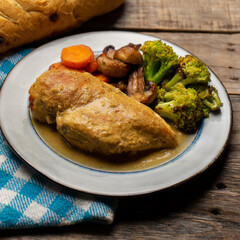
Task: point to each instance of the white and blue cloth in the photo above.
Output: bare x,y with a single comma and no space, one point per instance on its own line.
29,199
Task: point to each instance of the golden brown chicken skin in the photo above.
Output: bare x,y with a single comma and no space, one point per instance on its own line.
95,116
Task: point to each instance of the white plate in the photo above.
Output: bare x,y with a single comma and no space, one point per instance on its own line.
18,130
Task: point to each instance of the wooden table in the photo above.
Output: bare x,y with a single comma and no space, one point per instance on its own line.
208,206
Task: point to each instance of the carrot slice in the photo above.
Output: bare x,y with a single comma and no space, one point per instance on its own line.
60,66
102,77
92,66
78,56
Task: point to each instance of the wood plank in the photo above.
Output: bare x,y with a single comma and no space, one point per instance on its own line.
171,15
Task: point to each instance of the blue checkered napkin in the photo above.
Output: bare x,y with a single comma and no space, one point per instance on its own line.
28,199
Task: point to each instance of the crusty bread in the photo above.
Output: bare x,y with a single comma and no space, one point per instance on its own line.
25,21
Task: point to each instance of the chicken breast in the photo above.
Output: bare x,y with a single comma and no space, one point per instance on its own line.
95,116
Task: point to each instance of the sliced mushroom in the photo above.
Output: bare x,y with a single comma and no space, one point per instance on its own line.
143,91
112,67
129,54
109,51
122,85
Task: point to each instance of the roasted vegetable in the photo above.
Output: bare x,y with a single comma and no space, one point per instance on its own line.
191,70
182,106
159,60
209,96
143,91
78,56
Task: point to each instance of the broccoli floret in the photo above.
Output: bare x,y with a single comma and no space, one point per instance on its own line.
159,60
209,96
181,106
184,94
191,71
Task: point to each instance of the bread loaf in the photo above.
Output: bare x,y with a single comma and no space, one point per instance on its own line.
25,21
